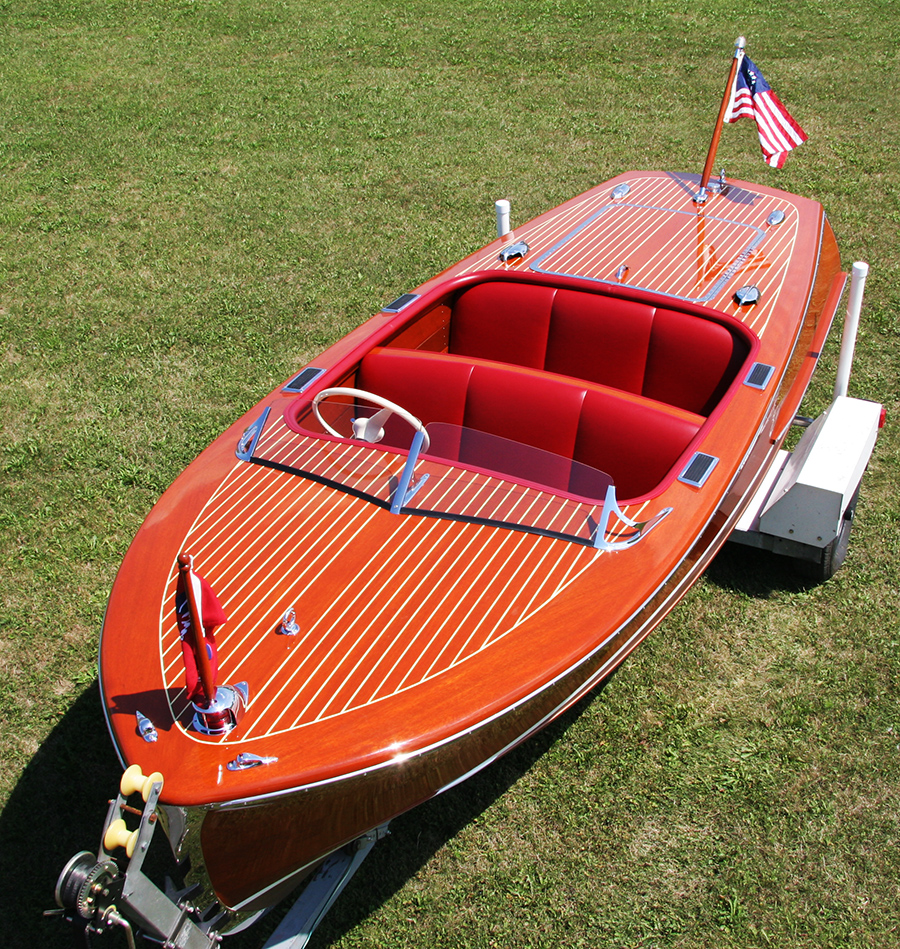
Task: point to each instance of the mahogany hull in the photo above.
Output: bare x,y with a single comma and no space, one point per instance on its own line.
434,640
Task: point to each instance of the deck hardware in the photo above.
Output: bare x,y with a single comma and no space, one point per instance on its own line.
621,271
303,380
146,728
802,421
400,303
620,191
224,712
638,528
759,375
720,186
289,625
408,484
746,296
502,209
513,251
247,442
246,759
776,217
698,469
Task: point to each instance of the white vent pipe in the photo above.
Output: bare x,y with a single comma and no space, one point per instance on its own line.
502,209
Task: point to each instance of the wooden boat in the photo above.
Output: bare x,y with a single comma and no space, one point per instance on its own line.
453,524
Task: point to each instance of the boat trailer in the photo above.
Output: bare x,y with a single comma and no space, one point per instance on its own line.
805,505
803,509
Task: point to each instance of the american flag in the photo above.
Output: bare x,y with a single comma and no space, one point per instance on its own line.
752,97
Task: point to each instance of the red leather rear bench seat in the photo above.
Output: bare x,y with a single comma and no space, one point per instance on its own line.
634,439
667,355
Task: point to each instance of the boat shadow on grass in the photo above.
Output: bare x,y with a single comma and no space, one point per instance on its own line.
56,809
755,573
59,804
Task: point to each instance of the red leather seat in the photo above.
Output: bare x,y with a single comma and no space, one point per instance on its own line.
690,361
599,339
674,357
630,437
506,322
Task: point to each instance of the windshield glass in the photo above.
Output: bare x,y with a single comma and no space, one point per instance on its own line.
462,474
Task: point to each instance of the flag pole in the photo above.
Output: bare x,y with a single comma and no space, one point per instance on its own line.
723,108
204,666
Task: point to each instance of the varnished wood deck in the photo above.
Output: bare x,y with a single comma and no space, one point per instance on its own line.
375,618
669,244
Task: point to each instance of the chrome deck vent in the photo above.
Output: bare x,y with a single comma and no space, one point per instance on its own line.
699,468
303,380
514,251
400,303
759,375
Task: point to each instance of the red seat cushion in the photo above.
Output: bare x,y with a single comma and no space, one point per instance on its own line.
690,361
524,406
633,440
600,339
503,321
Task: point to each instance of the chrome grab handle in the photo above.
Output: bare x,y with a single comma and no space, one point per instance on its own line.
246,759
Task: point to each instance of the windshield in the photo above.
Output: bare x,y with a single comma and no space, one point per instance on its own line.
460,473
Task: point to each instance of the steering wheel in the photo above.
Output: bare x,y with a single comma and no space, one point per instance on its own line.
369,429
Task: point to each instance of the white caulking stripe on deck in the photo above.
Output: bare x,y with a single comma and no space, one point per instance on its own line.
259,618
662,193
216,536
415,602
233,546
370,469
650,191
654,267
237,546
373,618
469,540
235,646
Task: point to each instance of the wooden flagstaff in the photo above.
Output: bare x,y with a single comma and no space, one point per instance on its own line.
720,121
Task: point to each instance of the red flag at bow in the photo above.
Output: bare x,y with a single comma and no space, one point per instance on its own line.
196,605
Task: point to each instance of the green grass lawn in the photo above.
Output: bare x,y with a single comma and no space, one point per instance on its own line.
196,197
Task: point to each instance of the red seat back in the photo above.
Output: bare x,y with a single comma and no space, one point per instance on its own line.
506,322
690,361
600,339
